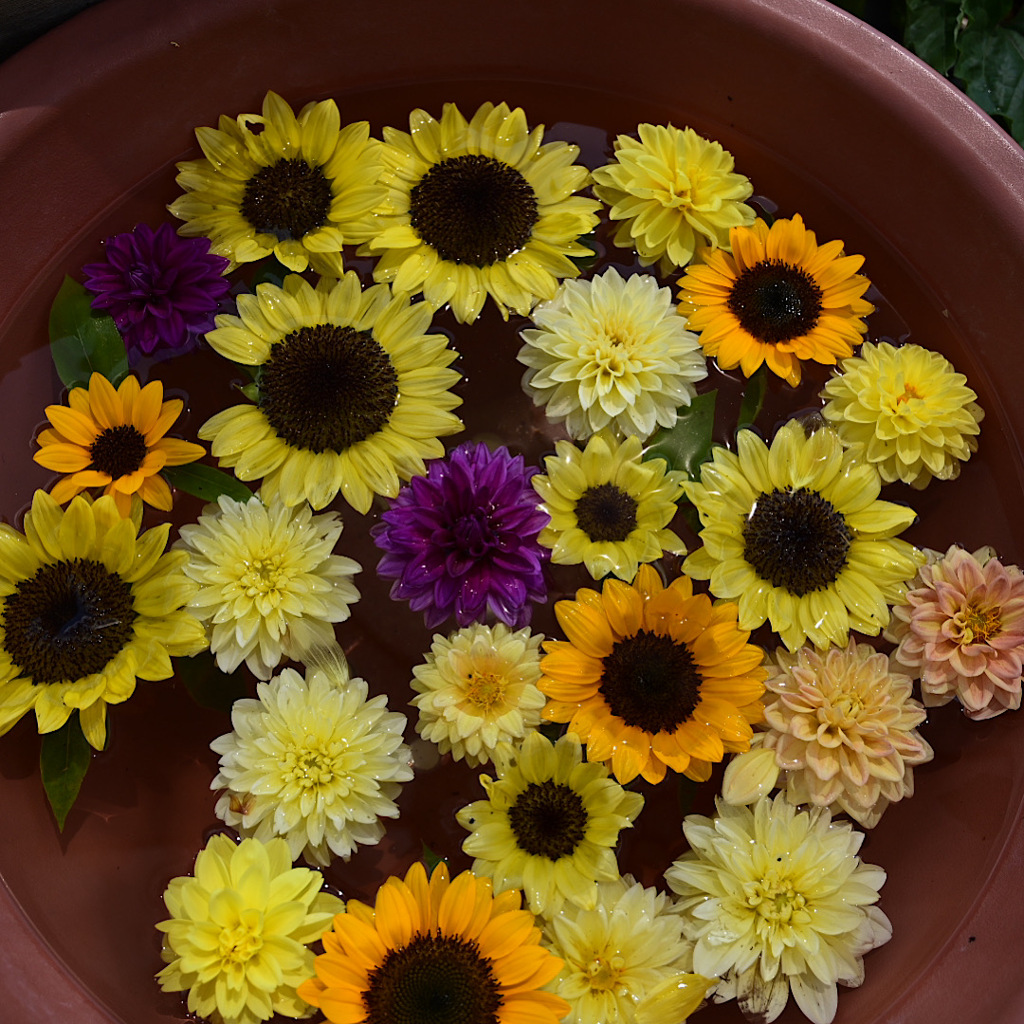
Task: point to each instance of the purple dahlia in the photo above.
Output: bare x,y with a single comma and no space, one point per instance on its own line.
462,540
159,288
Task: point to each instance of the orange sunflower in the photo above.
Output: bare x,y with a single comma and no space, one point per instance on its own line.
777,298
435,952
114,439
653,677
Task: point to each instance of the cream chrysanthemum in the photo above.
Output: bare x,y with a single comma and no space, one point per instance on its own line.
906,411
478,688
352,394
609,510
675,192
795,534
239,932
479,208
269,587
314,762
777,900
611,352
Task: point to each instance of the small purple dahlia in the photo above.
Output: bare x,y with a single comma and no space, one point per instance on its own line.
463,539
159,288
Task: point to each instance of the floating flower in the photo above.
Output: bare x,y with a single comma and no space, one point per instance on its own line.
906,410
841,730
549,824
796,535
352,393
619,952
239,932
653,677
779,298
479,208
674,192
298,188
160,289
611,352
268,585
88,606
477,688
435,952
609,510
114,439
961,628
312,761
462,540
776,900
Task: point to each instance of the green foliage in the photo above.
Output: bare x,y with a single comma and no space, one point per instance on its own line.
206,482
64,758
432,859
931,31
753,398
207,685
81,342
686,445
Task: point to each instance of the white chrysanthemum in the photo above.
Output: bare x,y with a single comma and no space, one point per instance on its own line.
314,762
777,899
611,352
269,586
477,688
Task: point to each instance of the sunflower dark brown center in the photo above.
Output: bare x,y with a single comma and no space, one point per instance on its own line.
796,540
327,388
287,199
473,209
651,682
118,451
775,301
548,820
606,512
434,979
67,620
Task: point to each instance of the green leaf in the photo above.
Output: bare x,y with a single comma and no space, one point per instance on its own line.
983,14
64,758
432,859
251,391
590,260
931,31
753,398
991,66
208,686
272,271
206,482
688,444
81,342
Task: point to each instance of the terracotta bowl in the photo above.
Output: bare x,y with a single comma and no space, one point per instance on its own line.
827,117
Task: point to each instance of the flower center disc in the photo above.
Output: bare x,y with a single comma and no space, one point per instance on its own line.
548,820
473,209
67,621
287,199
775,301
796,540
327,388
606,513
434,979
118,451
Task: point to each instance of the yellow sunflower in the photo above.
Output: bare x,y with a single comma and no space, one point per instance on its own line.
479,208
796,535
779,297
352,394
87,605
114,439
298,187
435,951
653,677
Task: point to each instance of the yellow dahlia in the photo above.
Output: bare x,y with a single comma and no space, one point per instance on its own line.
674,192
435,952
87,606
609,510
549,825
796,535
114,439
778,298
479,208
653,677
352,393
298,188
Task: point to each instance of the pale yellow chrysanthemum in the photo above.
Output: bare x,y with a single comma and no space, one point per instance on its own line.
478,688
269,586
674,192
620,954
611,352
550,823
777,900
240,929
609,510
312,761
905,410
